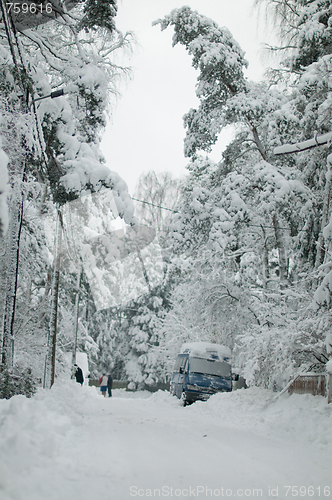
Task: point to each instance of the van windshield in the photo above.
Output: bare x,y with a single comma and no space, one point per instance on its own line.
210,367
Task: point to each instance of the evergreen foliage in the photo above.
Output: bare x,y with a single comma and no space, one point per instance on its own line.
220,61
14,384
99,14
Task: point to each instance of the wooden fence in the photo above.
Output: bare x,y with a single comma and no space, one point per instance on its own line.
310,383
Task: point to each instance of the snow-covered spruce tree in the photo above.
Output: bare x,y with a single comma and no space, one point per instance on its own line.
64,53
143,365
107,327
128,332
128,338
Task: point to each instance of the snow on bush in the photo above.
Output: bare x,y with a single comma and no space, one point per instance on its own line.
265,356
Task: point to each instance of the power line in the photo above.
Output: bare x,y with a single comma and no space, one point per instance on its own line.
157,206
177,212
271,227
248,225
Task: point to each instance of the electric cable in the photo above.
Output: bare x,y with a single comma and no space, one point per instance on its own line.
248,225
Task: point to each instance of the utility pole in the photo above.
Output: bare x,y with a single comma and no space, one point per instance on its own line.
328,343
52,336
77,306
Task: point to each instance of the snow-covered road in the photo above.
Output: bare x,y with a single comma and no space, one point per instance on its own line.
71,444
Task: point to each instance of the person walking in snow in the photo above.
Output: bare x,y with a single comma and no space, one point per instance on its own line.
103,385
109,385
78,374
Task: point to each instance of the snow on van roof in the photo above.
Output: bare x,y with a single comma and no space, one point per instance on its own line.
205,348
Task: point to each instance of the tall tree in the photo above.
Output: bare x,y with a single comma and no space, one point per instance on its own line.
60,145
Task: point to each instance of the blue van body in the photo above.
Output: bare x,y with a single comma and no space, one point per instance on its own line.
201,369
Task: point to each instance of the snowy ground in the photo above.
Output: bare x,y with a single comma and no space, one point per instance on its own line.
70,443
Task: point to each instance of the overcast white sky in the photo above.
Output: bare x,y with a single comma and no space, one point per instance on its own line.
146,129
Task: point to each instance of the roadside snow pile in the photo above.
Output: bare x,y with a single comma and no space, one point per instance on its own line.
300,416
67,397
32,431
164,398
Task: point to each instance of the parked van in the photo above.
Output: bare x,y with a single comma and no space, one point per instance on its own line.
201,369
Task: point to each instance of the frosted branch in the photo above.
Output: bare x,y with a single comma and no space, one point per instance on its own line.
317,140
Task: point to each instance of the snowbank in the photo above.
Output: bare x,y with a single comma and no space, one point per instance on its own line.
301,417
31,433
70,443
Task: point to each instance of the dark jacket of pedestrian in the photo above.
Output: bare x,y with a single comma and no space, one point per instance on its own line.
79,374
109,385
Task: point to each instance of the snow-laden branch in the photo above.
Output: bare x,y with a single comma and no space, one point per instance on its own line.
42,43
317,140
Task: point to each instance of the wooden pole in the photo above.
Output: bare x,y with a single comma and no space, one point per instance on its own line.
77,306
55,295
